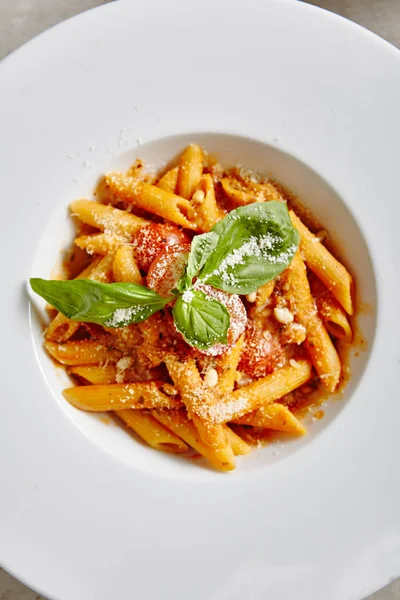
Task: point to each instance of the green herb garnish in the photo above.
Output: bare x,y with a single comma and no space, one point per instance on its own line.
255,244
109,304
251,246
201,320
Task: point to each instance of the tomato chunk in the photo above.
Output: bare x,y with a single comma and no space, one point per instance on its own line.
152,239
262,352
167,268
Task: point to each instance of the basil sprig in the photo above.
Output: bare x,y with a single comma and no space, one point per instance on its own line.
251,246
109,304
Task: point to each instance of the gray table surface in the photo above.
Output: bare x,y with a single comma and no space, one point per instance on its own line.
20,20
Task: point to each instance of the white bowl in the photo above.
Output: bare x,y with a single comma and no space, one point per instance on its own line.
279,86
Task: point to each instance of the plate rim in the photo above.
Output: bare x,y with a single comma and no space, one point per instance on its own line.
114,6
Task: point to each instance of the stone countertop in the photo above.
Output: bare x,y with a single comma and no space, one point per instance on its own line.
20,20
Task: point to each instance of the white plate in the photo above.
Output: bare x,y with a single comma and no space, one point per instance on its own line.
85,513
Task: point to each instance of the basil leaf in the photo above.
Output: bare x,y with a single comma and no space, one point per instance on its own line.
255,244
184,282
109,304
201,248
201,320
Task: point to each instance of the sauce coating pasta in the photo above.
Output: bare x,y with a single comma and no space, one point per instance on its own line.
280,348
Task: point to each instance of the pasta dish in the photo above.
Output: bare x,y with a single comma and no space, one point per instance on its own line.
198,308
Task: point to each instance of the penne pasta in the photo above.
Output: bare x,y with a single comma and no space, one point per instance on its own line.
178,422
96,374
329,270
238,445
190,170
207,211
187,380
332,313
101,270
169,180
60,329
107,218
273,416
212,434
227,366
194,394
125,267
261,392
152,431
120,396
88,271
100,243
237,192
246,191
85,352
318,343
152,198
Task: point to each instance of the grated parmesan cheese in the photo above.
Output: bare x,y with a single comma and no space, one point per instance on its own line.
187,296
123,316
256,246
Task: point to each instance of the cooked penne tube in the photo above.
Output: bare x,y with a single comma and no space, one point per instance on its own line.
60,329
250,191
152,431
125,267
107,218
273,416
190,170
187,380
330,271
102,270
120,396
207,211
100,243
103,193
334,316
89,270
169,180
237,192
261,392
227,366
212,434
318,343
194,394
178,422
96,374
153,199
238,445
84,352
